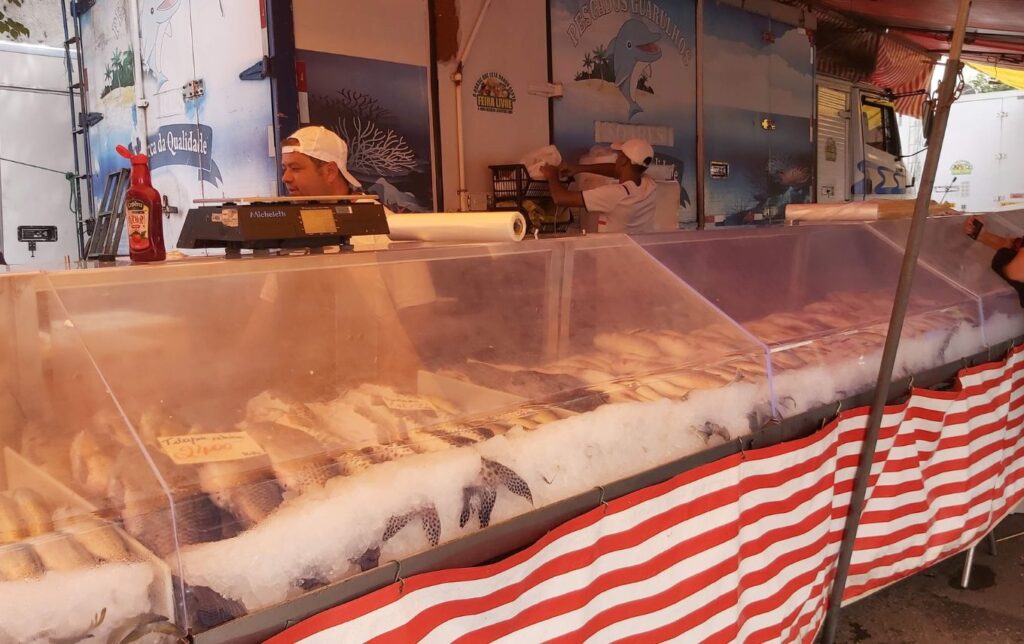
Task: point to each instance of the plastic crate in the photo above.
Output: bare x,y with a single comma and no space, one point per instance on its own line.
513,183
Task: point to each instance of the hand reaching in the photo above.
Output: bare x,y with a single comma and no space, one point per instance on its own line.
972,227
550,172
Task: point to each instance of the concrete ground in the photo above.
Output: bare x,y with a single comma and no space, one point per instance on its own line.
931,608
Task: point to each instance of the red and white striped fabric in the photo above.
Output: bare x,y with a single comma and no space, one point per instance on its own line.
742,549
903,69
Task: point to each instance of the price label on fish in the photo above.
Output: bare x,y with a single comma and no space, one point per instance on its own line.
209,448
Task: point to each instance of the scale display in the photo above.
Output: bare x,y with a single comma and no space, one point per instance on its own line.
318,221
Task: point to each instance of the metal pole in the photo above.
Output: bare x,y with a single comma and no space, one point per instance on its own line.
457,80
83,97
77,121
698,58
896,323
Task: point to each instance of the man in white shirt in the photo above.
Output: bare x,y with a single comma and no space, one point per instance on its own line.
627,206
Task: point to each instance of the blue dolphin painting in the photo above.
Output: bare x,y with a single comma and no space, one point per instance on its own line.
154,22
634,44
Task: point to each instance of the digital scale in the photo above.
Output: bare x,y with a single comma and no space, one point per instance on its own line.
264,223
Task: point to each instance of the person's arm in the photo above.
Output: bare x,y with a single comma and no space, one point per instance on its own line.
603,169
561,195
974,229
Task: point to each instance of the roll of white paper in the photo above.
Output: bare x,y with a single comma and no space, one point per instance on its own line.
458,226
854,211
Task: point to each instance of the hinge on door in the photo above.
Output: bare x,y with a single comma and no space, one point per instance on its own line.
258,71
89,119
1000,156
193,89
1002,115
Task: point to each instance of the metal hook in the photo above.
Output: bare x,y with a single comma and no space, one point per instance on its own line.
910,386
601,501
398,577
743,450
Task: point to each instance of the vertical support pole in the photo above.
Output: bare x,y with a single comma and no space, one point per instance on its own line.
435,108
77,123
701,160
896,324
283,88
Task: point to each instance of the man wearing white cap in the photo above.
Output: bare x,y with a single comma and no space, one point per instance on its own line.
627,206
314,163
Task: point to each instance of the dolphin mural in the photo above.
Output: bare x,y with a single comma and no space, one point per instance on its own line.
634,44
393,196
154,22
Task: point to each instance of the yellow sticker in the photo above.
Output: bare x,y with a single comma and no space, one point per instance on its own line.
210,448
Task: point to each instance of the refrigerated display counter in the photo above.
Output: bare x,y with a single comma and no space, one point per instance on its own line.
820,298
946,250
253,431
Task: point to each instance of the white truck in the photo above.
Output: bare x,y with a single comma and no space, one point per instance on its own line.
859,153
982,164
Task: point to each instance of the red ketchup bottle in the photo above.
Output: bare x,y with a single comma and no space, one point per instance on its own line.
143,213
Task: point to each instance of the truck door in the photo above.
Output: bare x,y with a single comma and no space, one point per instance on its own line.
878,172
968,170
1010,177
834,182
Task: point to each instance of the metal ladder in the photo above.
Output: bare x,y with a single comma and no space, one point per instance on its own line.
81,121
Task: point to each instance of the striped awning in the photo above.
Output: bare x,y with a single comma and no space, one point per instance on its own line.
844,51
849,51
903,70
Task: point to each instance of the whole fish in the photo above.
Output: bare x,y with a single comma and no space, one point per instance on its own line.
61,552
18,561
99,538
12,526
92,463
245,488
299,461
35,515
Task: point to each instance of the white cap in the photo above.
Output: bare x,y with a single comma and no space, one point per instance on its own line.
638,151
320,143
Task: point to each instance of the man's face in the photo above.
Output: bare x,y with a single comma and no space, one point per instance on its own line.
304,177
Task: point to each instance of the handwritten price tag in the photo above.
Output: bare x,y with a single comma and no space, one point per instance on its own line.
408,403
210,448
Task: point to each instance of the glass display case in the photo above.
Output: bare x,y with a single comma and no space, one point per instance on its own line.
270,426
820,298
65,527
946,250
252,430
1009,223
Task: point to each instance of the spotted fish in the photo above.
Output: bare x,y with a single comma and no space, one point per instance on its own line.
429,520
480,498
